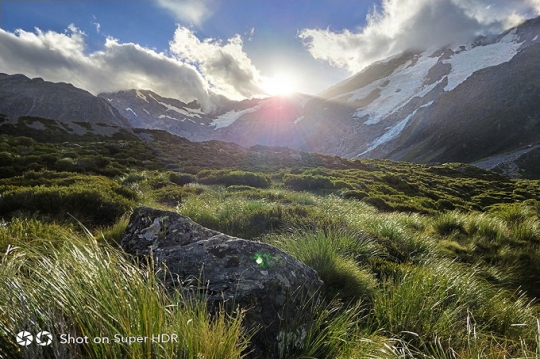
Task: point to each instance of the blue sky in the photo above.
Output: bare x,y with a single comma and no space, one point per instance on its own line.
235,48
269,28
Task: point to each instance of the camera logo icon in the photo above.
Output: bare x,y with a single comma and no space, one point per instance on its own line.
43,338
25,338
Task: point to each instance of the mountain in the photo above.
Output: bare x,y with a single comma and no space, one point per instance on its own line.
269,121
147,109
475,103
458,103
69,108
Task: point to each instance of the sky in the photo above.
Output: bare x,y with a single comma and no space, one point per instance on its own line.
210,49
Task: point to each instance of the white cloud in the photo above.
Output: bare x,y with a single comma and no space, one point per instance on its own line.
191,11
200,70
226,66
414,24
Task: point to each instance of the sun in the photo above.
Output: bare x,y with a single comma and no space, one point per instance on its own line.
281,84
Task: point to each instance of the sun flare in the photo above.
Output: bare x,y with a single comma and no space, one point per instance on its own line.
280,85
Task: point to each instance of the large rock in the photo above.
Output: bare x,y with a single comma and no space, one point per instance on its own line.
270,284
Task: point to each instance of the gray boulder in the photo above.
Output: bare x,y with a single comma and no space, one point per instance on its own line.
270,284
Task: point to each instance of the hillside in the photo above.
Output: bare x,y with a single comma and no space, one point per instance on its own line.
413,257
472,103
77,110
460,103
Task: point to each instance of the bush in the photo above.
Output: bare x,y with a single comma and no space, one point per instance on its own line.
447,223
355,194
170,195
95,200
514,213
444,204
229,178
324,252
6,158
65,165
378,203
307,182
182,179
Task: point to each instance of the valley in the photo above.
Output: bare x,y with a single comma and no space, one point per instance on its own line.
409,194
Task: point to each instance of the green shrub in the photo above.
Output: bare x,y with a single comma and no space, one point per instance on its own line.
243,188
65,165
325,252
94,200
514,213
134,177
182,179
342,184
170,195
6,158
354,194
307,182
7,172
378,203
445,205
447,223
229,178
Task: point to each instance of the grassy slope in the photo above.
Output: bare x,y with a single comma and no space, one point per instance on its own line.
437,262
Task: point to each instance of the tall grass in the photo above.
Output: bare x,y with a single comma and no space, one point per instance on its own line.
84,288
334,256
443,306
397,285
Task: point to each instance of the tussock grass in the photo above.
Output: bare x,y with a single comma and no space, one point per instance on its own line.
442,306
84,288
333,256
418,262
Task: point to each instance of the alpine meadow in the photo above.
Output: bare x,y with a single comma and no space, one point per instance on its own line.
189,198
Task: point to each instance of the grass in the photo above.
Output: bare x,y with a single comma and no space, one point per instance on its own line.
334,256
87,288
417,261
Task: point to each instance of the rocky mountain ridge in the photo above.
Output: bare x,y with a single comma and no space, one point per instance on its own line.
460,103
76,110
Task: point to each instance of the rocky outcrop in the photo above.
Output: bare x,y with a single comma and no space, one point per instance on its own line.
268,283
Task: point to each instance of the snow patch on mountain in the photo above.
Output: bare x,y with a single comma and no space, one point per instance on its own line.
171,118
230,117
465,63
146,111
393,132
176,109
141,96
130,110
298,120
405,83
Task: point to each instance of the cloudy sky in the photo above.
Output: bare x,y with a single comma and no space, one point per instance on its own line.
203,49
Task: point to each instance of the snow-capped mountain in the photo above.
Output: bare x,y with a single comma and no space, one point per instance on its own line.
458,103
268,121
461,102
146,109
477,103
